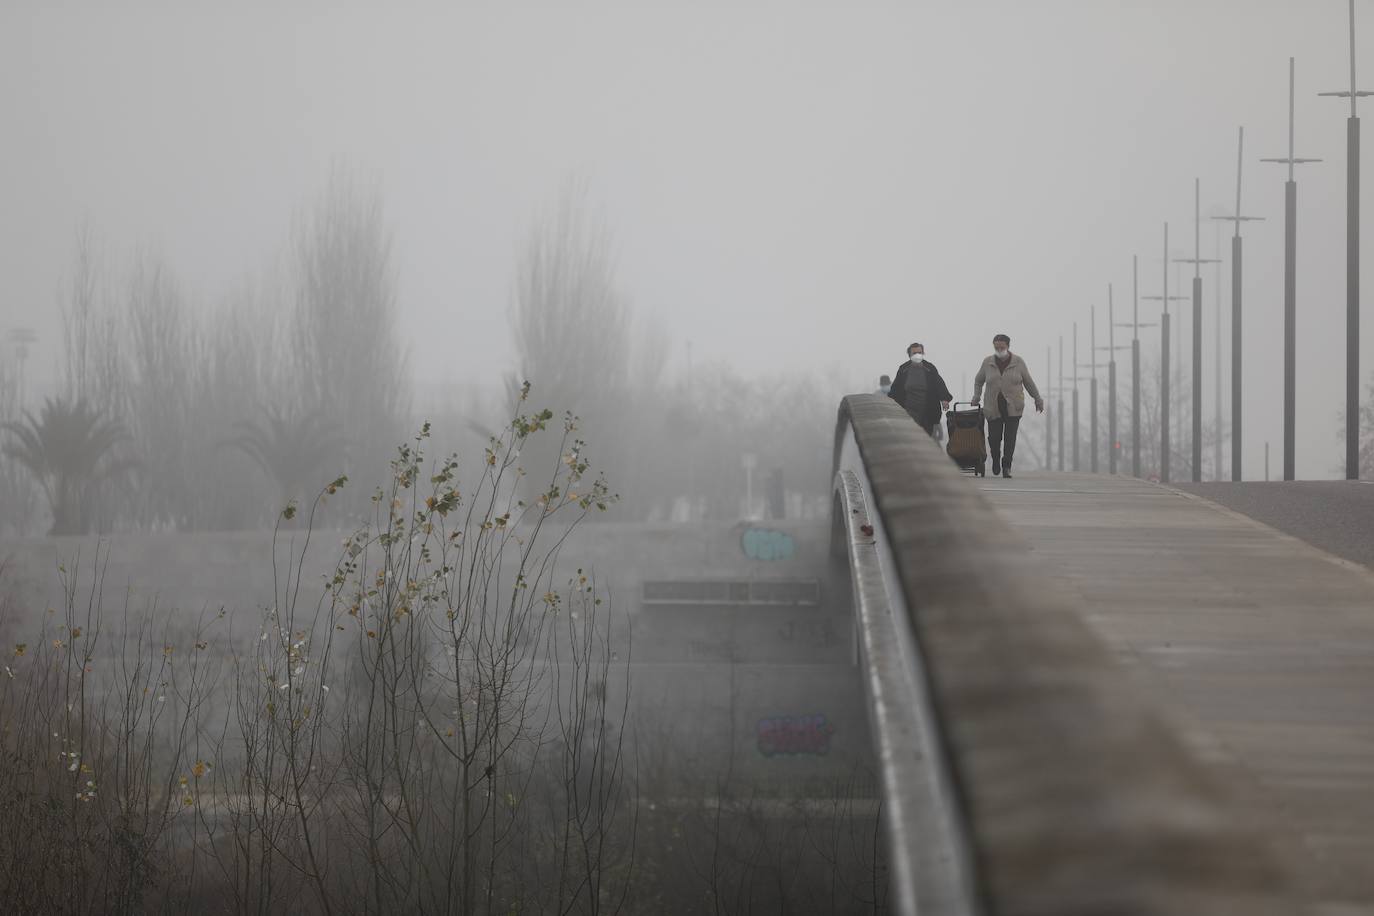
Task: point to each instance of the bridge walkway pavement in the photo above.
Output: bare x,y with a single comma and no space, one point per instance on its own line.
1258,645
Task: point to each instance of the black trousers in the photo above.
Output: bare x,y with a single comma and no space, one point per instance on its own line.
919,416
998,429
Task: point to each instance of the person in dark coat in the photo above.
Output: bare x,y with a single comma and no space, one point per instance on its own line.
918,387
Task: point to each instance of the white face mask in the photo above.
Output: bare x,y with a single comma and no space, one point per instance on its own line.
1001,352
918,358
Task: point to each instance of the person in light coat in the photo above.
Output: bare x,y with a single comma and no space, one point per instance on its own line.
1006,379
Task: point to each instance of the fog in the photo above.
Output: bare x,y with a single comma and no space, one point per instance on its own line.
790,189
247,250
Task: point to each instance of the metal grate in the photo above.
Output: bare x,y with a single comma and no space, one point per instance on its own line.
738,591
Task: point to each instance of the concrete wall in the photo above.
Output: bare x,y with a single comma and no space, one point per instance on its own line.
234,569
764,694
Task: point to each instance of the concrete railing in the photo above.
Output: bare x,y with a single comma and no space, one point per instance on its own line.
1023,769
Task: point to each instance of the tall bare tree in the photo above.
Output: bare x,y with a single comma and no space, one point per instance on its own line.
569,318
90,330
571,322
348,352
93,372
162,344
79,315
244,371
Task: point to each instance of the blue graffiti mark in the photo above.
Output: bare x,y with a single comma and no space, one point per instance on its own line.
767,544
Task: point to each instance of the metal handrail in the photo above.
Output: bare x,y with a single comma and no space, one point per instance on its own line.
927,849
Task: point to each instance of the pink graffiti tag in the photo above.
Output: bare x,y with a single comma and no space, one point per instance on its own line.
794,735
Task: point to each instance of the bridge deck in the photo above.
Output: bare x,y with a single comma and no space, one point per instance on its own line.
1261,645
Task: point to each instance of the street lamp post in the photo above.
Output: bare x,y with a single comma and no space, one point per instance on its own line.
1049,424
1113,446
1054,417
1075,395
1165,405
1091,366
1216,360
1290,292
1092,383
1197,261
1135,366
1135,327
1237,349
1352,267
21,338
1059,409
750,461
1165,298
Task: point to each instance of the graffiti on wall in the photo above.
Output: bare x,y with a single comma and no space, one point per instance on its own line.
767,544
794,735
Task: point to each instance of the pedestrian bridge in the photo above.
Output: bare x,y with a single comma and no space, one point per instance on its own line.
1099,695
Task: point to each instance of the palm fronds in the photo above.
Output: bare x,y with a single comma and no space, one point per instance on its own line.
70,447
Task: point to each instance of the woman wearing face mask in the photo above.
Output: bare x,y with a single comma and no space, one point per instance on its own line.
1007,380
918,387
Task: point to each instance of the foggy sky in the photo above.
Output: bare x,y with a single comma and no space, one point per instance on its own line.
793,186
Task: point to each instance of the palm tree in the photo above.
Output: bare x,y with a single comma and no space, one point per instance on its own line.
292,450
70,449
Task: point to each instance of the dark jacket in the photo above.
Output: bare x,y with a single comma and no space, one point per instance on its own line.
924,407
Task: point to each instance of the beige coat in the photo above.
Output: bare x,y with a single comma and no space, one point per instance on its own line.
1012,383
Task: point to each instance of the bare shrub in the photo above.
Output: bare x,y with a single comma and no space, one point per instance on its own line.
430,729
94,744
